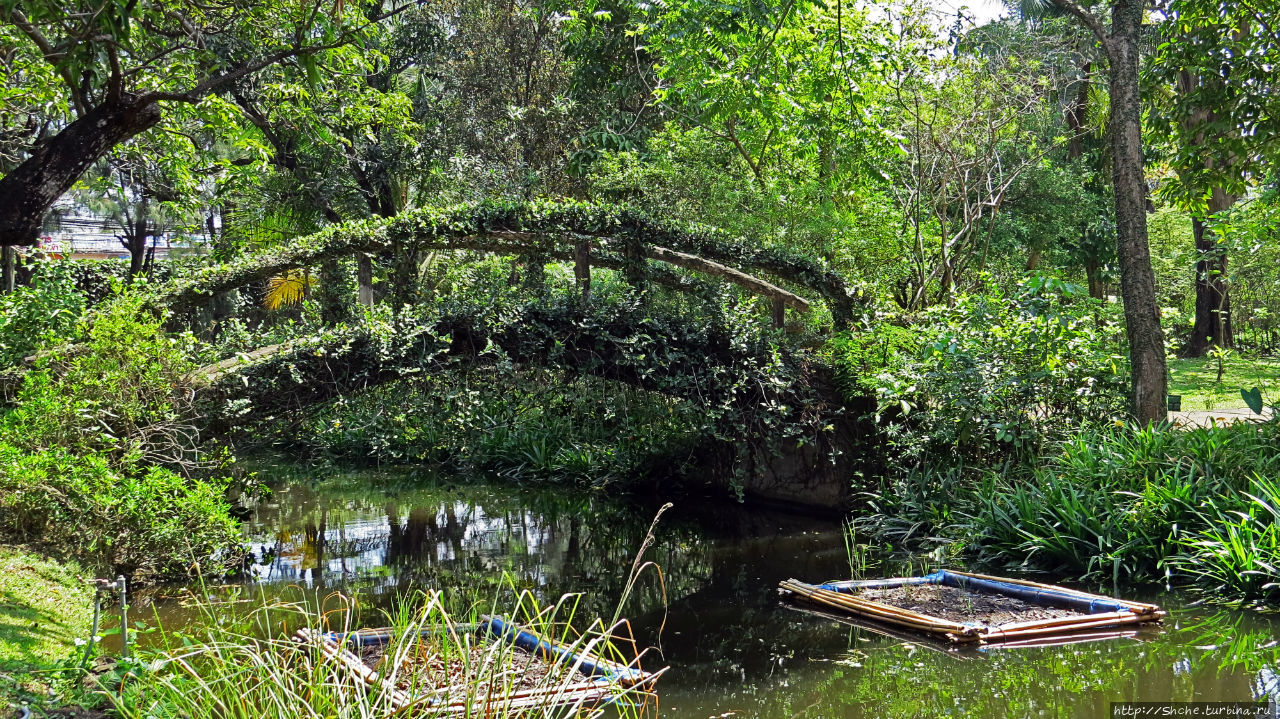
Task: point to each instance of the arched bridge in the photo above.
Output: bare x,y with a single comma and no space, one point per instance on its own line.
797,442
622,238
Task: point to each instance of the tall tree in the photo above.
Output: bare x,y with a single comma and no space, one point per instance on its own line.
116,64
1215,72
1122,44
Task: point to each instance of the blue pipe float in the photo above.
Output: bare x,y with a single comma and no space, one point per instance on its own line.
559,654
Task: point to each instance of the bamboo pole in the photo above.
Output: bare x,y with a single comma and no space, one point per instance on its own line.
353,664
811,591
997,635
886,583
1059,621
1072,638
885,612
925,640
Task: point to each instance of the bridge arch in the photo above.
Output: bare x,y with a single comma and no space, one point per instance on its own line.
795,442
587,234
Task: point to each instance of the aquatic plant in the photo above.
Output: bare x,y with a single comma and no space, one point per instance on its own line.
434,664
1237,555
1125,499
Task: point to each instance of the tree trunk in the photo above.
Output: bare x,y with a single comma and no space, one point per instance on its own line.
1093,272
135,240
28,192
582,268
1077,112
1213,300
8,268
1075,117
1137,280
364,280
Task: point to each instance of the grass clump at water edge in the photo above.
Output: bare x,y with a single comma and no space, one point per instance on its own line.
1199,507
432,666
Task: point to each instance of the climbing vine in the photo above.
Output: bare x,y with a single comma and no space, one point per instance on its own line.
545,229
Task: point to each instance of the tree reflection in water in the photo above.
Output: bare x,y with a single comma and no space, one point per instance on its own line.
734,650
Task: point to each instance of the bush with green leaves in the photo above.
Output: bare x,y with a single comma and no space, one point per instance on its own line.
998,376
526,424
45,312
79,450
121,390
137,519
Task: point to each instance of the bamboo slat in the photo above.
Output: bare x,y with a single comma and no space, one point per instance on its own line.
927,640
1059,621
884,612
1065,639
1000,635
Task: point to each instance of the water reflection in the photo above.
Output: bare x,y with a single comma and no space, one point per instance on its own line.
735,651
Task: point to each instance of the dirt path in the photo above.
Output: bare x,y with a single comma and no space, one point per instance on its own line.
1205,417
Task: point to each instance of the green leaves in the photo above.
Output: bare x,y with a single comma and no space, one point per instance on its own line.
1253,399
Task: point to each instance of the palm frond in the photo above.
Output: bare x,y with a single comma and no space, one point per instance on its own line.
287,289
1035,9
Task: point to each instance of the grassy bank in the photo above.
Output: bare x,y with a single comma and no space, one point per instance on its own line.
1196,380
45,606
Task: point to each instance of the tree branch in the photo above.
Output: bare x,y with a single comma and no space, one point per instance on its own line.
1089,20
51,56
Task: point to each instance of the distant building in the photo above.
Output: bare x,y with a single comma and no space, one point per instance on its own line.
73,230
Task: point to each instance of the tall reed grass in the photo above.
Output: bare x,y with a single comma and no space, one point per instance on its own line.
272,661
435,665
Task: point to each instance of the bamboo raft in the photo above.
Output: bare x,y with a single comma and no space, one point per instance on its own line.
601,681
1094,614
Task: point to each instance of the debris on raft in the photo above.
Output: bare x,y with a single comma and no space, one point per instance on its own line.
965,608
487,669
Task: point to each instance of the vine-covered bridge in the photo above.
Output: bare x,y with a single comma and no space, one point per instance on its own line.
796,441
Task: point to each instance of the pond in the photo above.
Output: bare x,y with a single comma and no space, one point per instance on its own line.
733,648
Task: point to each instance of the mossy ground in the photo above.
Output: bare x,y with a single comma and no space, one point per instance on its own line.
44,607
1197,381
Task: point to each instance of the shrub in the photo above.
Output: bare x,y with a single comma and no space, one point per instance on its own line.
140,521
122,391
526,424
1000,376
78,450
42,313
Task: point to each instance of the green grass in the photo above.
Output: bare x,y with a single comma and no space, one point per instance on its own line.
44,607
1197,381
247,667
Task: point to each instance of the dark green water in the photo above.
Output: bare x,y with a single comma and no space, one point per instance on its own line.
733,648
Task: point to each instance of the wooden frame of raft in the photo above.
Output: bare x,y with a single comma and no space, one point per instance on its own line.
1097,611
602,680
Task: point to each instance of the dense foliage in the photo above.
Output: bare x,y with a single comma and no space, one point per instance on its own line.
100,452
585,241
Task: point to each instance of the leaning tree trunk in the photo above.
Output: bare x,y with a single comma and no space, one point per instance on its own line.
28,192
1137,280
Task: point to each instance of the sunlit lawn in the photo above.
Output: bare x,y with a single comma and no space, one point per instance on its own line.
1197,381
